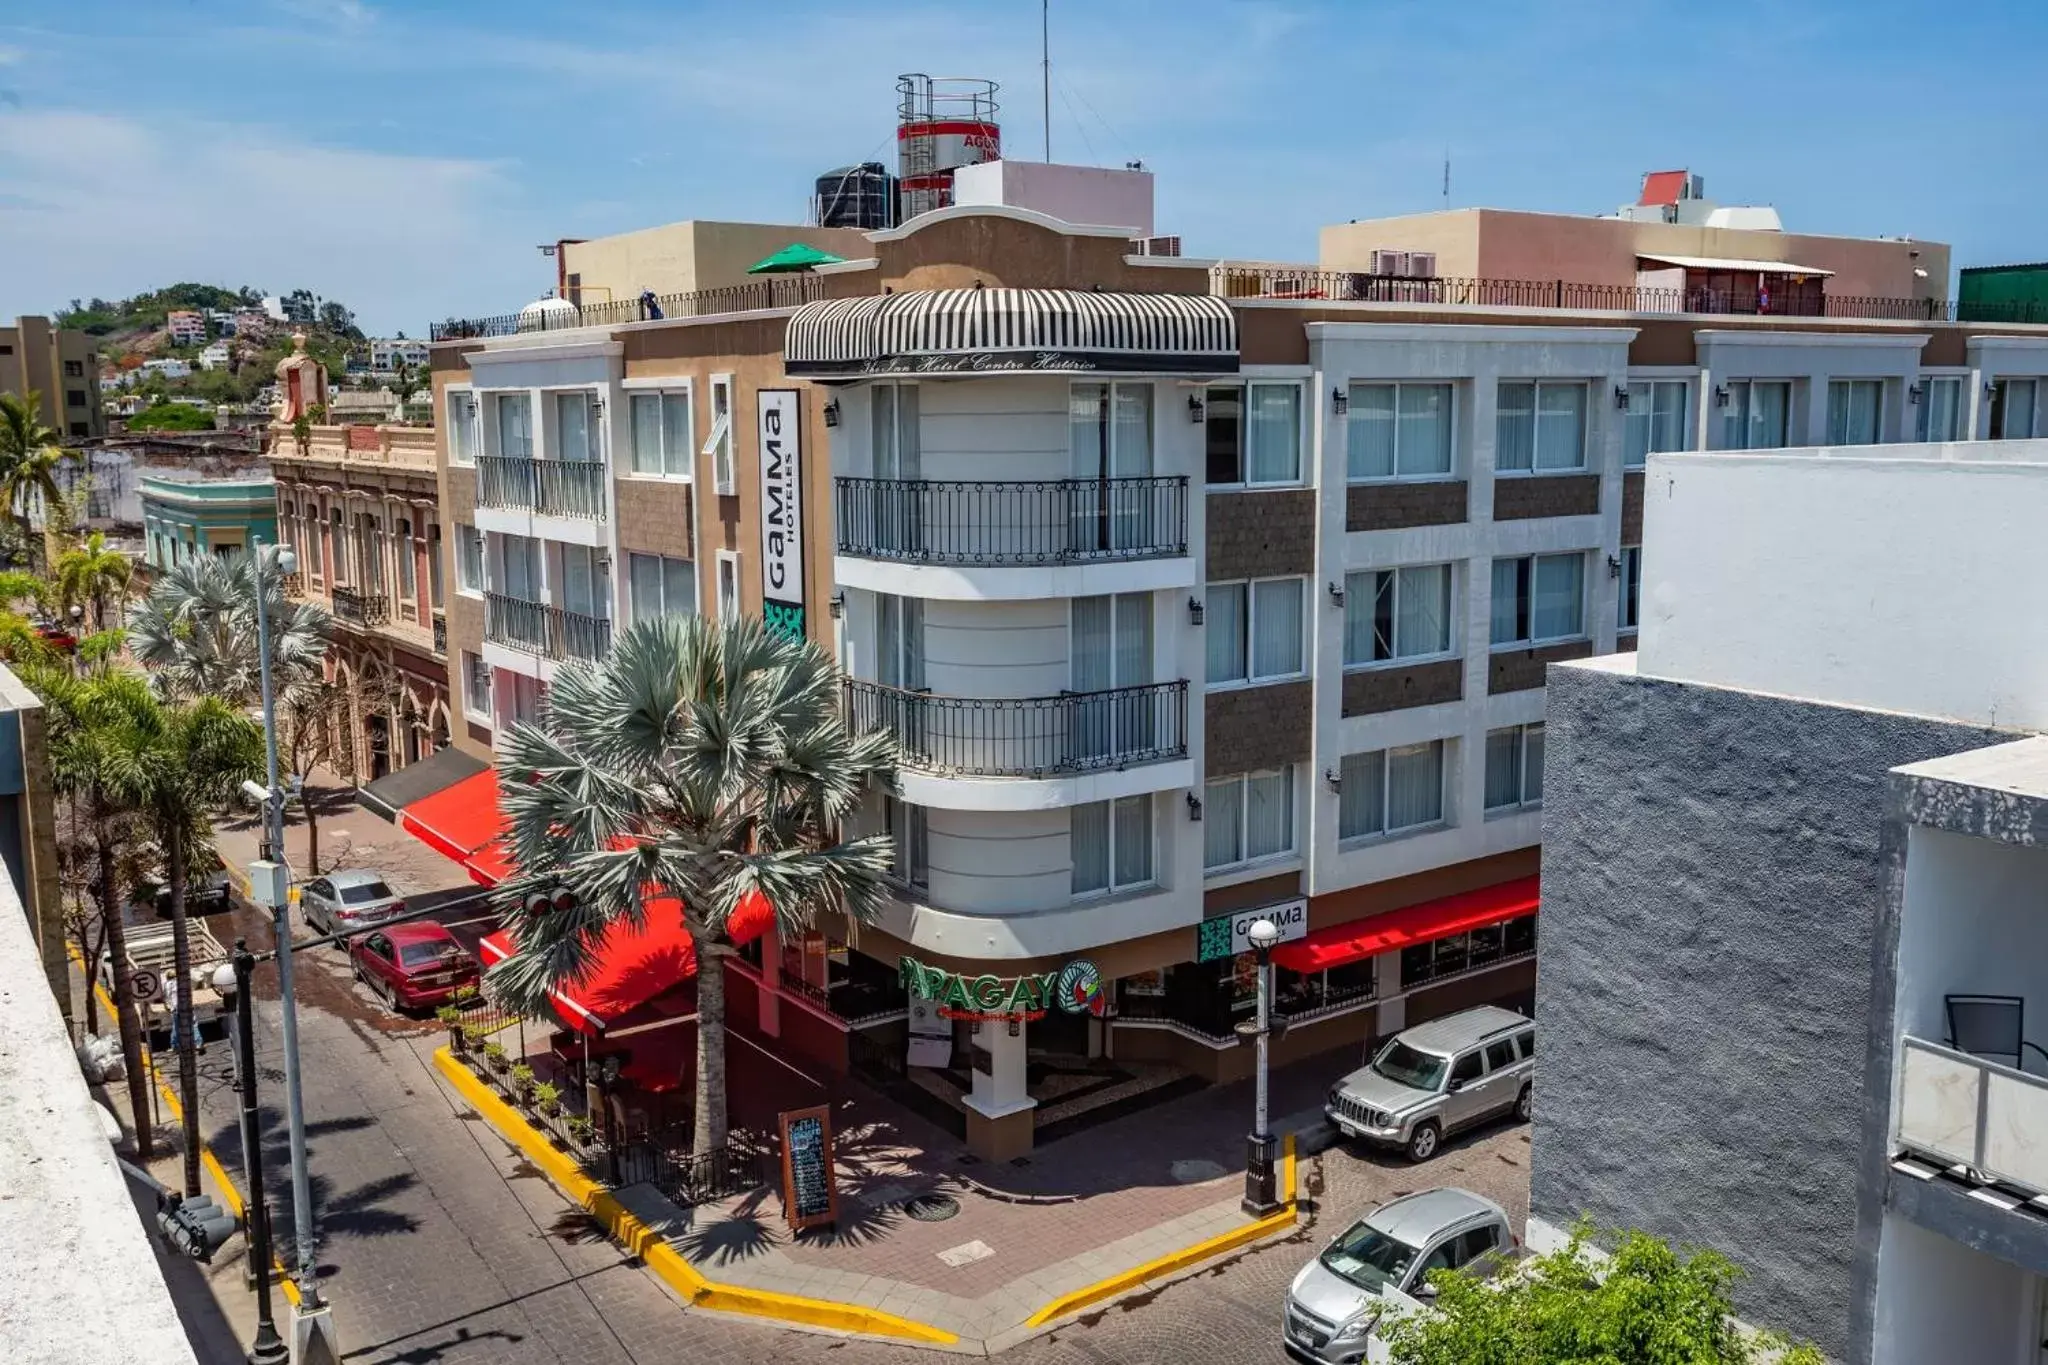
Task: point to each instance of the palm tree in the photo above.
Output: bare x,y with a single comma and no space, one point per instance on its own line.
698,764
196,631
91,573
29,457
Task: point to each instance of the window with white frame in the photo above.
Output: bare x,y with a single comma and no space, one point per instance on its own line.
1855,411
402,553
1540,427
1514,767
1656,420
2014,408
469,558
1399,431
514,412
1539,598
660,426
476,686
1252,433
718,445
728,585
1391,791
461,426
576,434
1111,845
660,586
1397,614
1940,399
1254,630
893,433
1756,415
909,834
1628,610
1248,818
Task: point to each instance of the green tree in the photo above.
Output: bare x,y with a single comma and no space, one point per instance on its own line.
699,763
91,575
406,382
29,458
1646,1305
196,630
168,416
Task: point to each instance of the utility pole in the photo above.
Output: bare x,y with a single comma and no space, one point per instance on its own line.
1045,70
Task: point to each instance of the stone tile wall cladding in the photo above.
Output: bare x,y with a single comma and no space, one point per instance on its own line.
1252,728
1391,506
1713,868
1371,690
1632,509
1261,534
1518,670
654,517
1549,495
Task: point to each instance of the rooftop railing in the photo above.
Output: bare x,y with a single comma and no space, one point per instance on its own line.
769,291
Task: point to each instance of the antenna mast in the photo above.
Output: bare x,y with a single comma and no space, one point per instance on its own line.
1447,177
1045,70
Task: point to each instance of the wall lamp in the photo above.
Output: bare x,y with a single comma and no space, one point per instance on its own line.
1720,395
832,412
1194,807
1913,392
1336,593
1333,779
1990,390
1340,400
1621,397
836,604
1196,610
603,562
1196,412
1614,566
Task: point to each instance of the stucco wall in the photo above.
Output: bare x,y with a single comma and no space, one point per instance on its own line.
1711,881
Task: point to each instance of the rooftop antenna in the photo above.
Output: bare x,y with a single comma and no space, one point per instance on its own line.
1447,177
1045,71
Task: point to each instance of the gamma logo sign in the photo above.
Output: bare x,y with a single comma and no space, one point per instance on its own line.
782,511
1075,988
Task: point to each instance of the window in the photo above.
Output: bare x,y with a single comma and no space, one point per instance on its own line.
515,426
899,641
1514,767
1499,1057
718,445
1525,1043
1399,431
660,586
74,398
1540,428
1656,420
1111,843
434,564
893,430
1941,409
2013,408
1756,415
1629,602
461,427
402,550
81,429
1467,1069
728,585
74,369
576,436
1254,630
1855,410
1424,963
1538,598
1245,819
1397,614
1253,434
476,686
1388,791
661,433
469,559
909,842
311,539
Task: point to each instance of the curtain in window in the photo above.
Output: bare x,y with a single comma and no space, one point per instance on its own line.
1853,407
403,552
1423,604
1415,785
1940,408
1276,621
2016,408
1503,768
1635,428
1369,432
643,583
909,443
643,412
1269,814
678,587
1223,822
1088,838
1507,600
461,427
1133,840
1667,417
1130,441
1557,600
1425,430
1560,426
1223,621
675,433
572,426
1361,598
1086,430
1093,647
1514,427
1769,407
515,426
579,582
1532,763
882,430
1272,434
1361,795
1133,640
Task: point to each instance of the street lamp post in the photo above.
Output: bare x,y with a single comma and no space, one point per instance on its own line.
231,980
1260,1196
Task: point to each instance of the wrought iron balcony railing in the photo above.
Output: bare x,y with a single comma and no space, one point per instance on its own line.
1075,732
1056,521
552,632
556,488
362,606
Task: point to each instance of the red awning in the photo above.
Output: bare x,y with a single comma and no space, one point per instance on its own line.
1362,938
634,966
460,822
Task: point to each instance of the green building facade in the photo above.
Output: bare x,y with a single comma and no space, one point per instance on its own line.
182,519
2003,293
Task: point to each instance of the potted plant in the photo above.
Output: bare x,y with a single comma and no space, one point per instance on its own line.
451,1019
547,1097
581,1130
522,1083
494,1056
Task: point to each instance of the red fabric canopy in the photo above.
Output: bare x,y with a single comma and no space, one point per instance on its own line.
1362,938
459,821
632,966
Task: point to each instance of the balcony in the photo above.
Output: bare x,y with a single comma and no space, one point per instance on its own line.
440,633
1960,1110
555,488
362,607
1027,737
537,628
1004,523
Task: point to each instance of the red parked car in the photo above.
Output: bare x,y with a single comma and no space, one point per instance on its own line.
413,966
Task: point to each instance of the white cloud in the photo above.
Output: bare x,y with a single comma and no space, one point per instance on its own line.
11,56
350,13
108,205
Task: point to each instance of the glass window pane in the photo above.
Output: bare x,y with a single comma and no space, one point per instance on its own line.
1503,768
1668,416
1223,412
1415,785
572,426
1133,840
677,447
1532,763
1635,443
1087,430
1369,432
1223,823
1277,627
1423,621
643,585
1507,600
1425,435
1224,628
1769,410
515,426
1131,440
1269,814
678,587
644,413
1089,837
1272,434
1560,426
1514,427
1359,600
1557,605
1361,795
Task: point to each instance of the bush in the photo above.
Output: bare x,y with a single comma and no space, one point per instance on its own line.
494,1053
548,1096
171,417
581,1129
522,1077
448,1015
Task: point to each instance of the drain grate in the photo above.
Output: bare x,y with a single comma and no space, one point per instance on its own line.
931,1208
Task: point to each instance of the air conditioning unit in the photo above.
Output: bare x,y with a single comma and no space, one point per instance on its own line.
1390,263
1159,246
1422,265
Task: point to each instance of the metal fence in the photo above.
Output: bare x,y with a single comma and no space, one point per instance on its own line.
363,608
1055,521
745,1163
1074,732
556,488
768,291
554,632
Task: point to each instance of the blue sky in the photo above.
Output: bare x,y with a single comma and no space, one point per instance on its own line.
406,156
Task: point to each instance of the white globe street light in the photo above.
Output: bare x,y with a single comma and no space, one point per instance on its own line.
1260,1197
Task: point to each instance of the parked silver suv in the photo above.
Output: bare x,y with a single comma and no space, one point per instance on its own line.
1435,1078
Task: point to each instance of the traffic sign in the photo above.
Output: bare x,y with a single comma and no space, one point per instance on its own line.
143,984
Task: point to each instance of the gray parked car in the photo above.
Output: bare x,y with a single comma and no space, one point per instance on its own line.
1431,1080
343,902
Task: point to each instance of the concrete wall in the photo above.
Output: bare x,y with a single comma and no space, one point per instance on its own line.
1972,924
680,257
1097,195
1711,883
1939,1300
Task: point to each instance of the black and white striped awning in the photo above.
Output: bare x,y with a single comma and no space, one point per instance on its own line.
994,331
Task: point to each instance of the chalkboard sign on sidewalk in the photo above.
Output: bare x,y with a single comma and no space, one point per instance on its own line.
810,1193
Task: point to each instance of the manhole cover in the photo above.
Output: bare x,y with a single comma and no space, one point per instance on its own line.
932,1208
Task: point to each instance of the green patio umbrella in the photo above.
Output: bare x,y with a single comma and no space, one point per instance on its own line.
794,257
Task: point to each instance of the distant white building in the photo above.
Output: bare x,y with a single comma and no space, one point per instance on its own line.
385,353
186,328
167,368
273,308
215,356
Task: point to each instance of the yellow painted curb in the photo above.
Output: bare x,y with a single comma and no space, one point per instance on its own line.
1174,1262
659,1256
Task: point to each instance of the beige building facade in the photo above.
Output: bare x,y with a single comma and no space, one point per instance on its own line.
59,365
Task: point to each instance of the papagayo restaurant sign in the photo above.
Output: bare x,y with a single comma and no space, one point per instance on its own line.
1075,988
